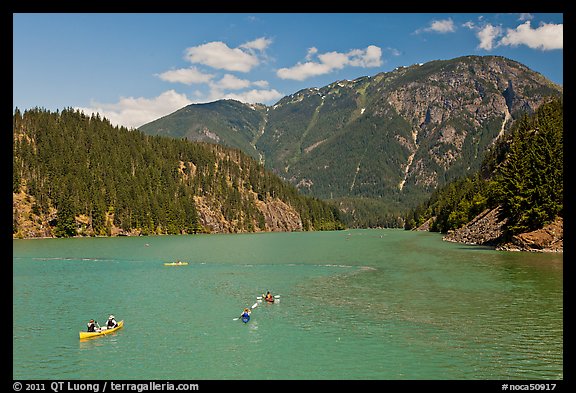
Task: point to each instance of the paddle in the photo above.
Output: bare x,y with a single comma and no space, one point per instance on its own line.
253,307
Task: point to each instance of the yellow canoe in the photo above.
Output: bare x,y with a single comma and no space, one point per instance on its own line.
84,335
179,263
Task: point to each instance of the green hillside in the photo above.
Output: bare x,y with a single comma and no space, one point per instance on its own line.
79,175
393,138
523,174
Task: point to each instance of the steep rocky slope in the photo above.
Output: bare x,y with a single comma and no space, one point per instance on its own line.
394,136
486,229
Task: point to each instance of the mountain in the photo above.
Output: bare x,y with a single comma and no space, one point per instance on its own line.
75,175
227,122
388,140
516,200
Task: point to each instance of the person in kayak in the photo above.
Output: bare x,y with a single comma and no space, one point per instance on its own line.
111,322
92,325
269,297
245,313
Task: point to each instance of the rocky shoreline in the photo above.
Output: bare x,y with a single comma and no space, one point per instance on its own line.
278,217
548,239
486,229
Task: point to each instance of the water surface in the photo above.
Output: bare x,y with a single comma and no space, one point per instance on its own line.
359,304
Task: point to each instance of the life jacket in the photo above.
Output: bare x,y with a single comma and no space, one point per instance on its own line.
91,327
111,323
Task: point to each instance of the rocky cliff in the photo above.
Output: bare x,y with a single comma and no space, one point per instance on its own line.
548,239
277,217
486,229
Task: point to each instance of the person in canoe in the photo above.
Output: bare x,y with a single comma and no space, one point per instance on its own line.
269,298
111,322
93,326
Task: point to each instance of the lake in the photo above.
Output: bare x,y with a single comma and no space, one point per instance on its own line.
354,305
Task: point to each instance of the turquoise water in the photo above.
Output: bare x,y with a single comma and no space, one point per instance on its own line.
360,305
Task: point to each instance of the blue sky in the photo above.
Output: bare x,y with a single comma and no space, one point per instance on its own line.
135,68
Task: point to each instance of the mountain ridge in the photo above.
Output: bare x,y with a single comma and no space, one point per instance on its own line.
393,137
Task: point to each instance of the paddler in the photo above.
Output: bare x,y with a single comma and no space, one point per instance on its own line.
92,325
245,313
111,322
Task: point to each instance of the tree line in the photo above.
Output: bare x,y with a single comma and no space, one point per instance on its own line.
79,165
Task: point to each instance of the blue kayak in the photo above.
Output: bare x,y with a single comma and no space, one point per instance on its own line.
245,318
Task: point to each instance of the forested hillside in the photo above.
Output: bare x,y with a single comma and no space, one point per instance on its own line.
79,175
522,176
376,145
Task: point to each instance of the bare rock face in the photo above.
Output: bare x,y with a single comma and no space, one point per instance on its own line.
485,229
30,224
211,217
450,107
279,216
426,225
548,239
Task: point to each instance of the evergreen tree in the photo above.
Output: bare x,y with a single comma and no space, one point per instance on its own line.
65,221
530,180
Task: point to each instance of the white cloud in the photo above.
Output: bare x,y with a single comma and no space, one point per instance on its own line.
133,112
219,55
547,36
187,76
330,61
525,16
334,60
442,26
259,44
311,52
439,26
302,71
255,96
261,83
487,35
371,57
232,82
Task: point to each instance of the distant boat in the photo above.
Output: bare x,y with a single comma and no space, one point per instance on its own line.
177,263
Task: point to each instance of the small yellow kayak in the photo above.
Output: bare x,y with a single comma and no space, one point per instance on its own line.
102,332
179,263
